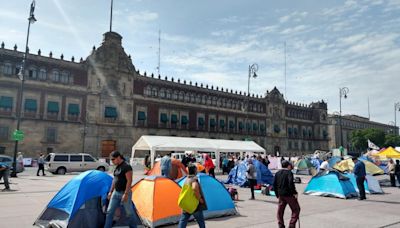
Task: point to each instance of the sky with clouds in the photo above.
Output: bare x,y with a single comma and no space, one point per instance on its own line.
330,44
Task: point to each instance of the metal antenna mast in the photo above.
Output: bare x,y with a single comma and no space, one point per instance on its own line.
285,70
111,14
159,51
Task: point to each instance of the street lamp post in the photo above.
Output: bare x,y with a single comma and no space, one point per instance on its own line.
31,20
342,93
252,73
396,108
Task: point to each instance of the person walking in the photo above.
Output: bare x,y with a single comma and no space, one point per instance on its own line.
166,165
390,170
41,163
251,175
120,193
5,173
193,181
360,173
397,171
209,165
285,191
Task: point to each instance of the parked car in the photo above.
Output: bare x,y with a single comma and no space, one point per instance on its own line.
58,163
8,160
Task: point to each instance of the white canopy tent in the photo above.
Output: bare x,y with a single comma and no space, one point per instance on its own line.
171,143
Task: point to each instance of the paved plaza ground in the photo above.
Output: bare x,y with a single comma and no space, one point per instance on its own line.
20,208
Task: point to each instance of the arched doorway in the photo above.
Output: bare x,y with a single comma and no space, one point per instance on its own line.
108,146
277,151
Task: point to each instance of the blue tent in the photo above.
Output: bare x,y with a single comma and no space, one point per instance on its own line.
218,200
237,175
371,185
334,160
79,199
331,183
316,163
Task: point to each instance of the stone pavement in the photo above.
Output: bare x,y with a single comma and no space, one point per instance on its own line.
20,208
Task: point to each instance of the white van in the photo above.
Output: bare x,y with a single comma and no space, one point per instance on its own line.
63,163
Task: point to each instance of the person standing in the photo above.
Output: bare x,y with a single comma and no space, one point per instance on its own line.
193,181
390,170
5,173
251,175
166,165
225,162
209,165
360,173
120,193
397,171
285,191
41,163
324,165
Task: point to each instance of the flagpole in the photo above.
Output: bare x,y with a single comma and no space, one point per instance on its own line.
111,15
21,76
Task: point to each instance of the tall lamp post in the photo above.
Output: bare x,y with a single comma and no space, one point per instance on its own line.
342,93
396,109
252,74
31,20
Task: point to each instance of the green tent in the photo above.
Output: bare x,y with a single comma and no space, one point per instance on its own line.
304,166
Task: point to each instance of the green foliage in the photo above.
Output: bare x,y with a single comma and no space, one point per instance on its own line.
359,138
392,140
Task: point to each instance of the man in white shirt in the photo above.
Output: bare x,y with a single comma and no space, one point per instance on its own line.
324,165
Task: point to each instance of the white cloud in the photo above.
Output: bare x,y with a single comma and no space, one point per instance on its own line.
296,29
143,16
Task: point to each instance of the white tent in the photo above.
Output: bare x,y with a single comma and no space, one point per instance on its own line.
170,143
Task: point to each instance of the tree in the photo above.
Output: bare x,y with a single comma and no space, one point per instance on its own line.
359,138
392,140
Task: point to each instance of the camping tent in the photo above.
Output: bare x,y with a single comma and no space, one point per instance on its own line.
237,175
334,160
304,167
78,203
348,165
389,152
331,183
177,171
169,143
218,200
156,200
371,184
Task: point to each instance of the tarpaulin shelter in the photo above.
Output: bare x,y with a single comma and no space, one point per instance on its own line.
371,184
237,175
170,143
218,200
304,167
178,170
348,165
79,202
389,152
274,162
331,183
156,200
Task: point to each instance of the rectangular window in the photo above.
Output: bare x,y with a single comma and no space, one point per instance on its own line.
61,158
163,118
30,105
212,123
222,124
89,158
73,109
6,103
201,121
184,120
141,115
111,112
7,69
4,134
52,107
75,158
51,135
174,118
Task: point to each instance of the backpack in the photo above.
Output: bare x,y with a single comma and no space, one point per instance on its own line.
187,199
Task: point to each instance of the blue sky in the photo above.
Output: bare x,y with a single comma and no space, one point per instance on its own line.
330,44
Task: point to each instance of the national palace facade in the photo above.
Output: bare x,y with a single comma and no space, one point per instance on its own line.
103,103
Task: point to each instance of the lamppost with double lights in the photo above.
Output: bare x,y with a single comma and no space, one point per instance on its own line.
342,93
252,74
31,20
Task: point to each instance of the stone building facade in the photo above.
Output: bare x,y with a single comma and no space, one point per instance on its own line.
103,103
351,123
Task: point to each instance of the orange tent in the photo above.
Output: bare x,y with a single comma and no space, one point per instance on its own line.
156,200
200,167
178,170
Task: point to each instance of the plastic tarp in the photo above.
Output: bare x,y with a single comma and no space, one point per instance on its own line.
348,165
74,196
156,200
389,152
371,184
332,184
334,160
237,175
275,162
177,171
218,200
